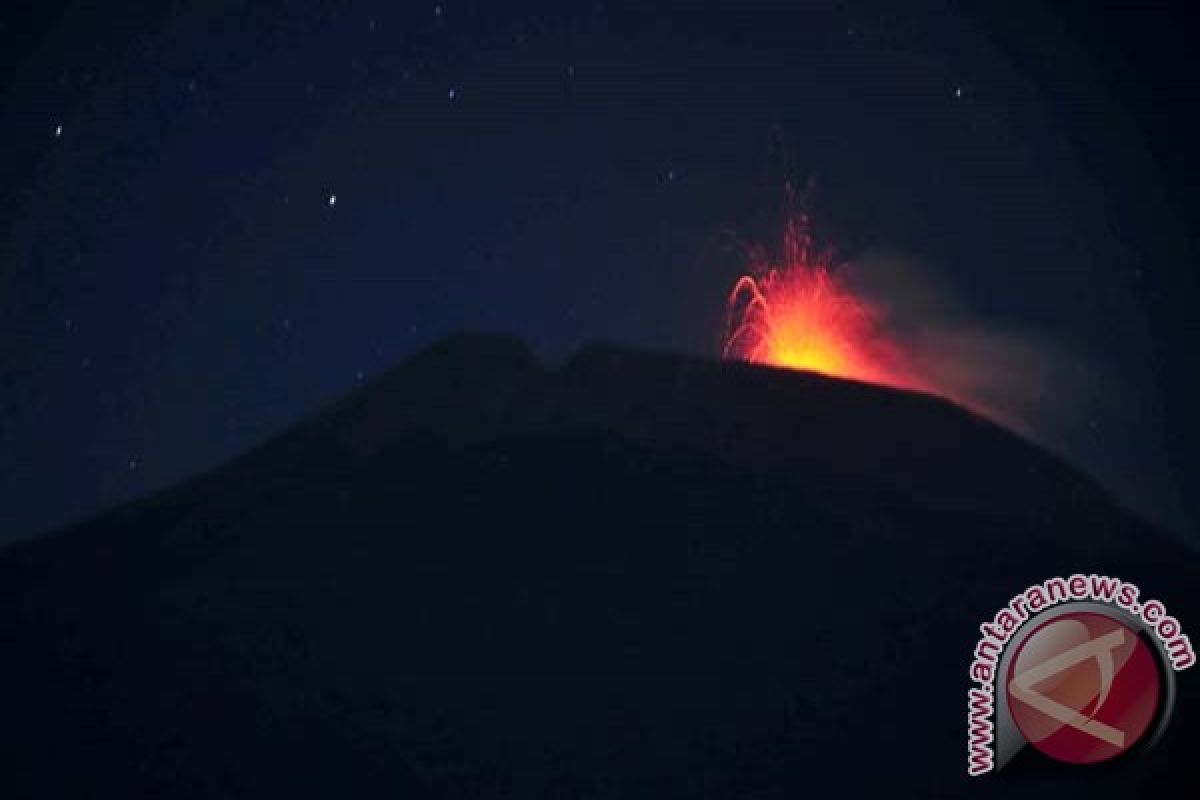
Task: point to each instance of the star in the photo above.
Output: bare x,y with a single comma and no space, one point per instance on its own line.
332,200
452,94
58,131
958,91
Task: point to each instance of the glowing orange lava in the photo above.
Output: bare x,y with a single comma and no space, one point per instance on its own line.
801,314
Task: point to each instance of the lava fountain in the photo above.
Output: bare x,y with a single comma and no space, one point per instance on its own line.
803,314
886,322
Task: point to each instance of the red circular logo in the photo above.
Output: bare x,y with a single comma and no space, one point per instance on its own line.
1083,687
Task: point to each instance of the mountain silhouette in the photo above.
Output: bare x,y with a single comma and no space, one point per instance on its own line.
635,575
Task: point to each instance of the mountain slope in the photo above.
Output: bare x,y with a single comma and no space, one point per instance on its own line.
636,575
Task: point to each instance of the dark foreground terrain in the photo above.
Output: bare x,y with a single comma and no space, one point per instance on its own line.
634,576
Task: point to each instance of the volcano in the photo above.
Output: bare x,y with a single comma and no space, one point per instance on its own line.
633,575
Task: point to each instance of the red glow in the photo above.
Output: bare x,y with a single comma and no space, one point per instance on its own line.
801,314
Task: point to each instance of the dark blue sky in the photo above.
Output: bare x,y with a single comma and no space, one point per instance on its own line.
176,283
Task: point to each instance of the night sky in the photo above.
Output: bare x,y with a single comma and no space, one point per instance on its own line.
218,216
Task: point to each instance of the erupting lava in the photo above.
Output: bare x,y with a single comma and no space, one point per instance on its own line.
885,322
802,314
